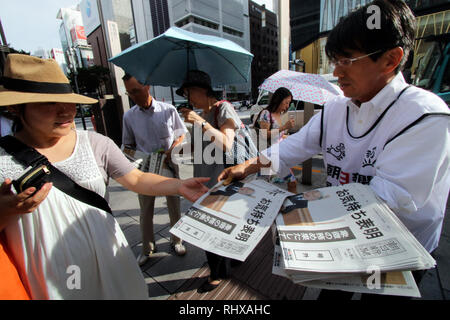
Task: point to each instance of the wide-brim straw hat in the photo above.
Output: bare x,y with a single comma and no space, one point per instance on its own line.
28,79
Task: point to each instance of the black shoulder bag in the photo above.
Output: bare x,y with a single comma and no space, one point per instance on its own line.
28,156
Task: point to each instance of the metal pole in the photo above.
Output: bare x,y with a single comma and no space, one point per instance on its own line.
75,76
2,34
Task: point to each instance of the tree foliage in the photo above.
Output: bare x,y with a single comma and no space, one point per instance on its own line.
90,80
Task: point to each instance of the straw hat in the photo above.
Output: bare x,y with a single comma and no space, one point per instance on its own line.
28,79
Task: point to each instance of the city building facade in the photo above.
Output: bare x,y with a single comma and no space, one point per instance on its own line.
264,44
78,54
312,20
228,19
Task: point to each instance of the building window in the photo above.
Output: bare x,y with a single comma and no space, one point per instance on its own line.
160,16
233,32
197,20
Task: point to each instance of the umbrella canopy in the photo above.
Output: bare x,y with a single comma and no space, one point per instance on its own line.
306,87
166,59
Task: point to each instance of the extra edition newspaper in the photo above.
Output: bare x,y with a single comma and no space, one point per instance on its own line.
396,283
332,237
231,220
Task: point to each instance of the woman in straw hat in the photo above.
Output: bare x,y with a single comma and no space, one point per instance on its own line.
64,248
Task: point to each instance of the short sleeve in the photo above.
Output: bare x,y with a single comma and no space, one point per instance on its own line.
226,111
110,159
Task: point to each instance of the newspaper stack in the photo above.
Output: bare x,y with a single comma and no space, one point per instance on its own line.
335,237
153,162
231,220
156,162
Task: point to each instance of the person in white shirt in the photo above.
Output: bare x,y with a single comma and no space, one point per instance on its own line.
384,133
149,126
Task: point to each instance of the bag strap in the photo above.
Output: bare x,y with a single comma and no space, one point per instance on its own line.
259,115
30,157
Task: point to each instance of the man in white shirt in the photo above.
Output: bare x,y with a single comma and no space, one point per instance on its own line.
149,126
384,133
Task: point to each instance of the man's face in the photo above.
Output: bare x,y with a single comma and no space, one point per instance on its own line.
138,93
362,79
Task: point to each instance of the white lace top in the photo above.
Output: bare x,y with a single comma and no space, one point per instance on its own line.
66,249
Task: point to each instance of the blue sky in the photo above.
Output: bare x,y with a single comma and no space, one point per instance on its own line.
32,24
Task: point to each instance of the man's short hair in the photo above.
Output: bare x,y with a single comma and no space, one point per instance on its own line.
353,32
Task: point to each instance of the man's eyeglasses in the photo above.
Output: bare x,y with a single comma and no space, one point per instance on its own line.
347,62
133,92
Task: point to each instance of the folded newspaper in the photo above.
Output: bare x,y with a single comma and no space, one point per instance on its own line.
153,162
231,220
396,283
329,237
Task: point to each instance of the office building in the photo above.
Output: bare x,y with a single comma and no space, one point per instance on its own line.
264,44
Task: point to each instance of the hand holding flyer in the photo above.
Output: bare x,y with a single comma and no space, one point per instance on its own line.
231,220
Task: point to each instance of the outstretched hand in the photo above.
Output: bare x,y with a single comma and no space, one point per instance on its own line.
233,173
193,188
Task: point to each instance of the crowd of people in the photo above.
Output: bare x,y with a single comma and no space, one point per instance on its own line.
391,135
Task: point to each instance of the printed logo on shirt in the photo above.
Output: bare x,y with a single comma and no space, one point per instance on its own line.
342,177
338,152
369,158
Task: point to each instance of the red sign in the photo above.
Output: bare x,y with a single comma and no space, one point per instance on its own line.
78,34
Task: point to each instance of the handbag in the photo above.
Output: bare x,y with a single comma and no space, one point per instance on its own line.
29,157
243,147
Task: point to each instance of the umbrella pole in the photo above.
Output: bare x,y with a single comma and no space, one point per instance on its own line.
188,68
173,98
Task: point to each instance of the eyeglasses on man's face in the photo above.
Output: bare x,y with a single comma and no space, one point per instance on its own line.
133,92
347,62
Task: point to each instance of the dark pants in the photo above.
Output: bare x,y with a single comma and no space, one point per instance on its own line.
220,267
328,295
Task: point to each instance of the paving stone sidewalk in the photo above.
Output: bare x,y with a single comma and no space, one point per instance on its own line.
166,273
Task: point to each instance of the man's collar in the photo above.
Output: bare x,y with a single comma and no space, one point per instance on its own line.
390,91
151,107
386,95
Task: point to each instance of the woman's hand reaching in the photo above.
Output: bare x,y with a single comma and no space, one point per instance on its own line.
193,188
